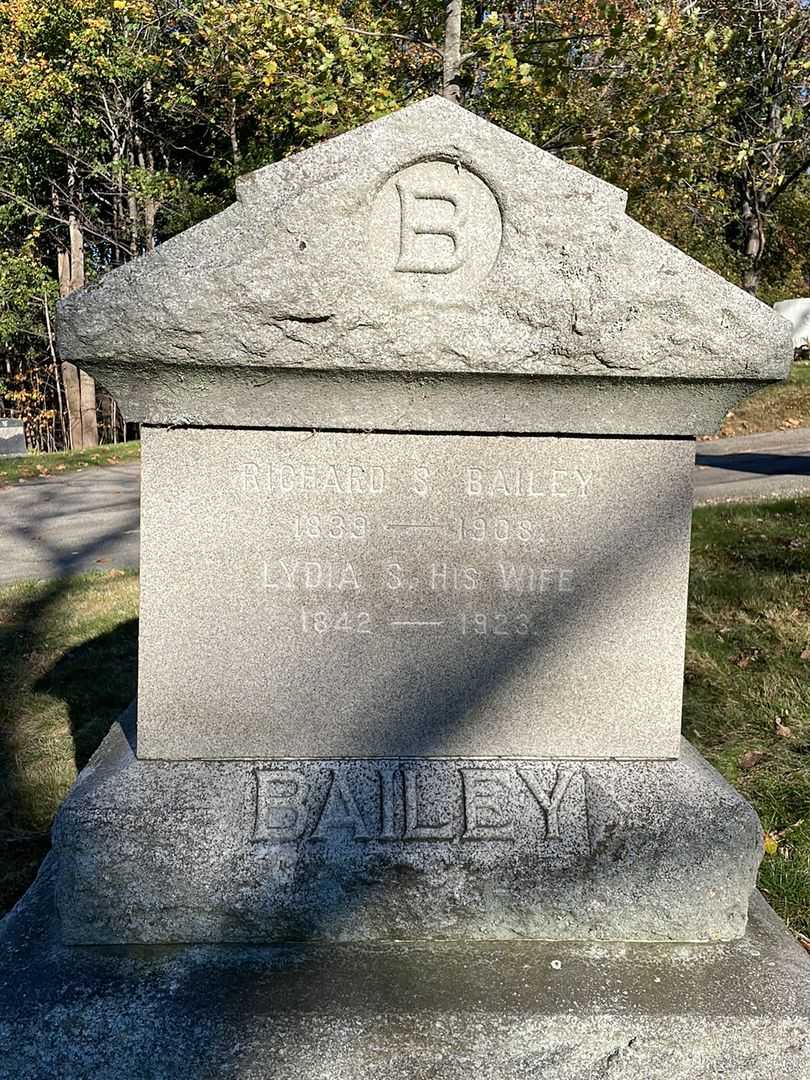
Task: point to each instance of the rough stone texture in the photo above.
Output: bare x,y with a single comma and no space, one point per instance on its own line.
440,1011
427,243
366,595
12,437
402,849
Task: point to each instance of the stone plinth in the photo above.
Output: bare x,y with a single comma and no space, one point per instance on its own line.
513,1010
409,849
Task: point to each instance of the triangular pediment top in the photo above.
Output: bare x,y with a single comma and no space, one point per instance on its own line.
430,241
433,128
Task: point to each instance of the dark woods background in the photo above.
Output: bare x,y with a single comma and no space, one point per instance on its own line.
125,121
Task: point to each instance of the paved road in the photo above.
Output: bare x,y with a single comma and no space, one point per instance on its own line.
86,520
753,467
90,520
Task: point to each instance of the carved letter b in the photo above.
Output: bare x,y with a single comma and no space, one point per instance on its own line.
416,256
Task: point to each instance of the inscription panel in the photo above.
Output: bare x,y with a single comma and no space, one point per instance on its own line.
327,595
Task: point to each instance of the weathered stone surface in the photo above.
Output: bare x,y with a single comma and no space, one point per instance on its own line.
12,437
367,595
450,1010
425,244
402,849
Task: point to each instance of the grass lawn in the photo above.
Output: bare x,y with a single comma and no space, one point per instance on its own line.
68,659
778,408
68,655
33,466
747,687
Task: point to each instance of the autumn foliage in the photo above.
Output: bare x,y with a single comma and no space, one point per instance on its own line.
123,122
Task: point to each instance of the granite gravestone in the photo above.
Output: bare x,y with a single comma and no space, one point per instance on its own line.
12,437
417,467
418,416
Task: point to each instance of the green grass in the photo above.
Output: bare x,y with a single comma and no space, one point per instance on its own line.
746,680
33,466
68,662
777,408
68,657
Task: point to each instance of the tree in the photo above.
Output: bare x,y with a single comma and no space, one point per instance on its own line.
762,117
123,122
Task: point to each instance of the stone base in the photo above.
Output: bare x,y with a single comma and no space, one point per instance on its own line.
428,1011
416,849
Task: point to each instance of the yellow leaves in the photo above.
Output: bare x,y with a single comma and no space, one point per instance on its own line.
119,5
774,841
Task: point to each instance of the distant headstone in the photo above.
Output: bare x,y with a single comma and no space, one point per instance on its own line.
797,313
417,453
12,438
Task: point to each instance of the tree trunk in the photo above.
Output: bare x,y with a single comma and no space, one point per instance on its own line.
236,153
80,388
60,412
451,87
753,241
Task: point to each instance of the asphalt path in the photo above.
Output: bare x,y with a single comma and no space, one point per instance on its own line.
89,520
753,467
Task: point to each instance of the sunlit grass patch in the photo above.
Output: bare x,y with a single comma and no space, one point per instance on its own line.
67,668
24,467
776,408
747,689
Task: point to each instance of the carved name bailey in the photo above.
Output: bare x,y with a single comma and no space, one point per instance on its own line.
403,801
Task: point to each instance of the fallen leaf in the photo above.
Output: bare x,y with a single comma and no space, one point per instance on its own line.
102,560
782,729
804,654
771,844
752,758
743,659
804,942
